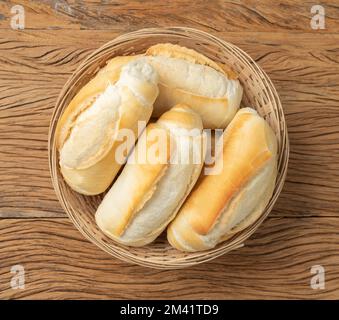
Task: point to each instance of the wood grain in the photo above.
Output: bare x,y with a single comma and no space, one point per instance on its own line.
301,231
250,15
34,67
275,263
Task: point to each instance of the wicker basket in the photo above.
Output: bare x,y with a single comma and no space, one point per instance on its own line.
259,93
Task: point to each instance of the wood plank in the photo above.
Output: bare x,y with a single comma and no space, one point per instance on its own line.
34,66
122,15
275,263
302,230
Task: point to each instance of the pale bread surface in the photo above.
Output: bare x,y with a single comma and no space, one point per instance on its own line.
230,200
146,196
89,129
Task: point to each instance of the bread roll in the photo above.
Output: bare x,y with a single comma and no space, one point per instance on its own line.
147,194
115,64
227,202
88,131
186,76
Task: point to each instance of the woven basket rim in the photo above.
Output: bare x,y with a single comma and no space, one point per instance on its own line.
122,252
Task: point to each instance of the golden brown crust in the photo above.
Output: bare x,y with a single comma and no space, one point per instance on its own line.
175,51
208,108
97,178
87,95
181,115
83,99
116,63
146,176
242,159
250,219
227,186
215,112
95,173
129,209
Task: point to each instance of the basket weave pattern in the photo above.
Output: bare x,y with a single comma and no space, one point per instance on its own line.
259,93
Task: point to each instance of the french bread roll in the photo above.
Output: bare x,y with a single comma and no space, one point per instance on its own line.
228,201
186,76
150,190
88,133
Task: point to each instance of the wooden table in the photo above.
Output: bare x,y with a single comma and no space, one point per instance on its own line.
303,229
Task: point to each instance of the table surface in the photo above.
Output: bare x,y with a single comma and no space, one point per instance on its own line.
301,232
